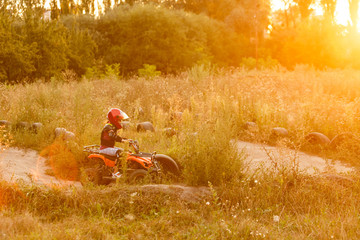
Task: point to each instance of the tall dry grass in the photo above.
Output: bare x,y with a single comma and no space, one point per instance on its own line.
215,106
277,203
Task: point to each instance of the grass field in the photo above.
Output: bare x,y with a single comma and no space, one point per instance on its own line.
277,203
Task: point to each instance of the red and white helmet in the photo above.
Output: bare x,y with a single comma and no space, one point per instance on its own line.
115,117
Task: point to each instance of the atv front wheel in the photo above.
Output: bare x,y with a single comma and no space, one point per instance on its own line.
168,165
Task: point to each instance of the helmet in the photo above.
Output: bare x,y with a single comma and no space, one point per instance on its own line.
115,117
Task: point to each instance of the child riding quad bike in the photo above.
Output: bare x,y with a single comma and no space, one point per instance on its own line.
106,161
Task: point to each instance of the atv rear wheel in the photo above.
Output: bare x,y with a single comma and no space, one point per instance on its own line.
91,175
138,176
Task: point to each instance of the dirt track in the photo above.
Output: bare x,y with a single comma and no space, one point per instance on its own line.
259,156
30,167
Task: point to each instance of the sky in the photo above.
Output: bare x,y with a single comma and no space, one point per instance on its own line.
341,12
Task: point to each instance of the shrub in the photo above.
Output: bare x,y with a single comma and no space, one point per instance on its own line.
148,72
261,63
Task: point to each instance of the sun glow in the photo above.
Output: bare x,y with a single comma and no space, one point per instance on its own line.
342,15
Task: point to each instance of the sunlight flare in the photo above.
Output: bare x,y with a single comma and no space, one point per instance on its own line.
342,15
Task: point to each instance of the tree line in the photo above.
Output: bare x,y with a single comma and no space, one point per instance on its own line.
172,35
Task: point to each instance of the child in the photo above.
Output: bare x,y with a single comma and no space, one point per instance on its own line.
109,135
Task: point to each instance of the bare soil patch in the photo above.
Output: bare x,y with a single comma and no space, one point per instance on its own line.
28,166
260,155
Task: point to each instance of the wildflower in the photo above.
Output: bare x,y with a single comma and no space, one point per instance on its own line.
133,194
276,218
129,217
208,203
177,211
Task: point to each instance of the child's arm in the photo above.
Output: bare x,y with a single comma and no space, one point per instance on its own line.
112,134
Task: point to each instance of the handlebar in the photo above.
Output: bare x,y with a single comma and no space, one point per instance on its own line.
128,140
134,144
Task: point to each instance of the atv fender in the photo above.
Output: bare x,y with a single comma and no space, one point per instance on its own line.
107,162
169,163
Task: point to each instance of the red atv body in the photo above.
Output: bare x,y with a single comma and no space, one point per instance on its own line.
138,165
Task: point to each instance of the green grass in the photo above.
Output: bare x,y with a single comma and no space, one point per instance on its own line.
215,108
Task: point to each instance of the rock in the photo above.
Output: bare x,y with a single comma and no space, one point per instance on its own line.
342,138
169,132
279,132
250,126
64,134
5,123
22,126
125,125
176,116
185,193
317,138
60,132
140,111
35,127
69,135
145,126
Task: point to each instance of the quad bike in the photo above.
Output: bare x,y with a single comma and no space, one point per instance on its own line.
138,165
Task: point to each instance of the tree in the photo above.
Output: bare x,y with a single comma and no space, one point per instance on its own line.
49,37
318,43
16,57
170,40
249,17
304,8
81,52
55,11
329,7
88,6
354,14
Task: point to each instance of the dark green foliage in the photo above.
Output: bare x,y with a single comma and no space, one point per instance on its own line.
172,35
170,40
81,53
32,48
16,56
49,37
128,36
